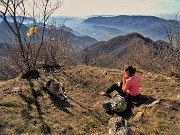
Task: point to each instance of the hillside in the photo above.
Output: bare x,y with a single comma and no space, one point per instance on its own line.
134,49
34,112
2,49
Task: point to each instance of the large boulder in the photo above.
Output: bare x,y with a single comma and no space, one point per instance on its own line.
118,126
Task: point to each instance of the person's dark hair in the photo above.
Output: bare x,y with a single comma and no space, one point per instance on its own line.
131,69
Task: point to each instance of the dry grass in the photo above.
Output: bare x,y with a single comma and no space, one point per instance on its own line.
35,112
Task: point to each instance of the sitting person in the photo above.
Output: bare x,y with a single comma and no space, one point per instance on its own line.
56,88
129,87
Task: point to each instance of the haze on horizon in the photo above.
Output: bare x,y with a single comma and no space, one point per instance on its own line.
117,7
81,8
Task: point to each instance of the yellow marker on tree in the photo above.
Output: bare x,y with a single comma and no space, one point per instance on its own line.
32,30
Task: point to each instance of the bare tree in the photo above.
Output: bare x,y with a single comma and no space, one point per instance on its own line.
85,55
171,53
25,50
171,29
57,51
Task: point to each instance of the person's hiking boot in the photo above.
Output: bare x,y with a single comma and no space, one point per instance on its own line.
104,94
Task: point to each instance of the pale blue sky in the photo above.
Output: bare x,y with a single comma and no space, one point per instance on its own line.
112,7
117,7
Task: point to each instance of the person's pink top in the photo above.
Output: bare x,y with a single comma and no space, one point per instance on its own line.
132,85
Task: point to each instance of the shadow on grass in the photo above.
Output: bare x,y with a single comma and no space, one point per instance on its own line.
142,99
33,100
93,113
9,105
61,104
2,127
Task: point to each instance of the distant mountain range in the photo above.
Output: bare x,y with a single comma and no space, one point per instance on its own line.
6,35
149,26
89,30
104,28
26,20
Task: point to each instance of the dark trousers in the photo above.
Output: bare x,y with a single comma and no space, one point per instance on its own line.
120,91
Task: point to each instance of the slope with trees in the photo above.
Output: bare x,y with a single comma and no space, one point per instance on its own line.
135,49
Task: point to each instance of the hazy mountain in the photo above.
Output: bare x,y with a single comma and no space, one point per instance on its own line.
67,34
124,20
67,21
103,28
98,32
79,40
19,19
101,33
6,34
147,25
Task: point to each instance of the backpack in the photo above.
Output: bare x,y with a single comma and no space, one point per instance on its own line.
117,103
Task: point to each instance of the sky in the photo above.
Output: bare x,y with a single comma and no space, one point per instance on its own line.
82,8
117,7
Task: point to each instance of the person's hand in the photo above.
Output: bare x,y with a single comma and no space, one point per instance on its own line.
125,77
118,83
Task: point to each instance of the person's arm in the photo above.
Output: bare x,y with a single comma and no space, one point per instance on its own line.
126,86
125,77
